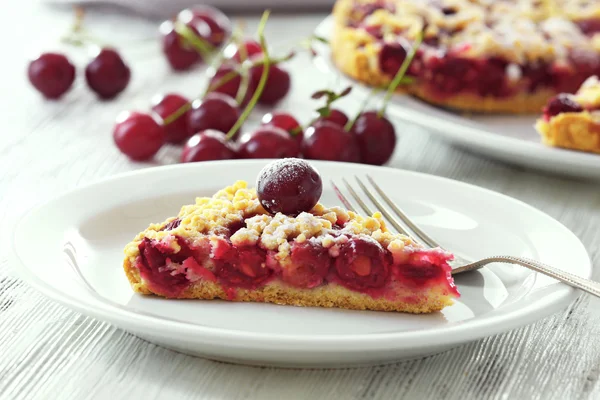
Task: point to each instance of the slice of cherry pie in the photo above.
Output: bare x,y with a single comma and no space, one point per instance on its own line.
479,55
230,247
573,121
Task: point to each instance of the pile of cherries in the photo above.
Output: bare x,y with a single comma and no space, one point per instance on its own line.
211,126
52,74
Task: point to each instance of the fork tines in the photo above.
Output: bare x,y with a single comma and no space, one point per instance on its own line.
417,233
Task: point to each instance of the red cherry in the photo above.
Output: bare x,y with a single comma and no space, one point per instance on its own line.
138,135
309,267
218,23
180,54
52,74
327,141
206,146
362,264
232,86
252,48
561,104
216,111
286,122
289,186
376,138
267,142
277,85
107,74
335,116
164,106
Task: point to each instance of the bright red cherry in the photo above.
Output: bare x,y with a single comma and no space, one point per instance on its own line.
327,141
376,138
216,111
277,86
286,122
232,86
51,74
206,146
289,186
252,48
335,116
107,74
218,23
138,135
166,105
267,142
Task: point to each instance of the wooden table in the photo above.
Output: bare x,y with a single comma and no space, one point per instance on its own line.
50,352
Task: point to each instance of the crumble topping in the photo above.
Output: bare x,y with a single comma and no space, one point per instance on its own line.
520,31
236,204
588,94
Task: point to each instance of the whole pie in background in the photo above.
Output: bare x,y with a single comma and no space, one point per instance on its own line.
477,55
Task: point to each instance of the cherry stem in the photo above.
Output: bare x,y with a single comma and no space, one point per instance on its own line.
399,75
201,46
177,114
263,77
244,75
351,123
77,35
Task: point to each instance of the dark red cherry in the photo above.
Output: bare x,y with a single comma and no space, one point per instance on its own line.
180,54
232,86
267,142
289,186
327,141
166,105
362,264
309,266
206,146
376,138
286,122
107,74
216,111
251,48
277,86
561,104
392,56
138,135
335,116
218,23
51,74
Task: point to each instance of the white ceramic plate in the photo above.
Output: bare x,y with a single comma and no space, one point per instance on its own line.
90,226
508,138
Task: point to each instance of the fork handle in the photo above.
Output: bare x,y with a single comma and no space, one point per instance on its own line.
578,282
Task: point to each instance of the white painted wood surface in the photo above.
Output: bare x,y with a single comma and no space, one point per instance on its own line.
49,352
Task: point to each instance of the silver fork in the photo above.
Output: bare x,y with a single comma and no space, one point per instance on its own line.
459,264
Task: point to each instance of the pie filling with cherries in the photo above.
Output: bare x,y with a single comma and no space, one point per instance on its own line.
236,246
572,121
480,55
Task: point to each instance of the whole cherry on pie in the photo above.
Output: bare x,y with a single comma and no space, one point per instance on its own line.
289,186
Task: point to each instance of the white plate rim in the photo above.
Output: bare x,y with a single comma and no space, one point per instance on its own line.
458,333
579,163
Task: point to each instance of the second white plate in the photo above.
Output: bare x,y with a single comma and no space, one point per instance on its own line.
508,138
